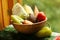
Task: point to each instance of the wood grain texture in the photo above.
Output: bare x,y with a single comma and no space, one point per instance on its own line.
10,5
1,19
6,18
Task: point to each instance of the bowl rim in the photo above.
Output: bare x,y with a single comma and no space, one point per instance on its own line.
31,24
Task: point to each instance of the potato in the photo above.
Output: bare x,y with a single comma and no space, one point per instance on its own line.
27,22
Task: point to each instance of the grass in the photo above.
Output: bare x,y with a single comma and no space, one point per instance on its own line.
51,9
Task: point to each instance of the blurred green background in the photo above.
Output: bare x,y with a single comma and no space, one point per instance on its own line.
51,9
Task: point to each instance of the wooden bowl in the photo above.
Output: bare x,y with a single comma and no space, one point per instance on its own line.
29,28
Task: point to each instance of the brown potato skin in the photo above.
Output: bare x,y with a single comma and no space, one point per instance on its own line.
27,22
